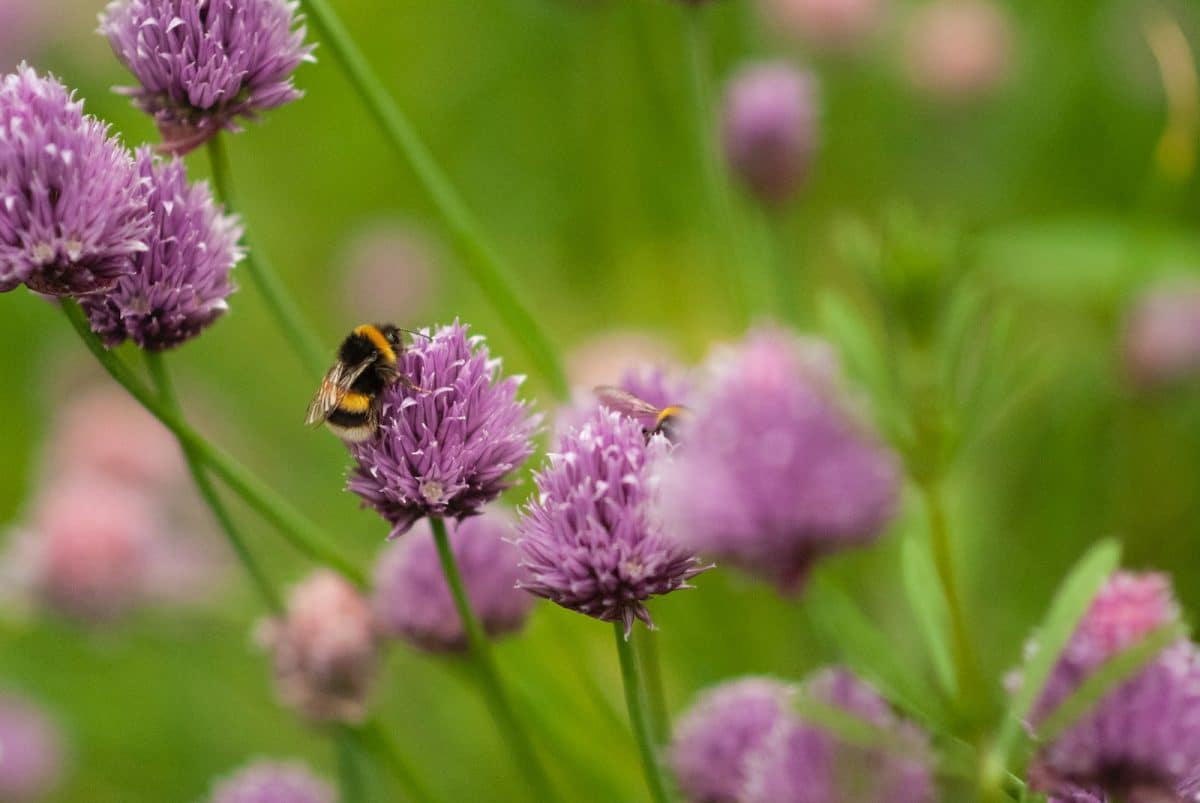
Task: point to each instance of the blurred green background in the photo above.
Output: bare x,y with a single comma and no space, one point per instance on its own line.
568,128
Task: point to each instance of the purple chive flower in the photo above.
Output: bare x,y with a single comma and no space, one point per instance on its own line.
590,541
805,763
180,284
203,65
448,448
776,472
412,600
31,751
73,212
716,736
324,649
1161,341
769,128
1141,741
1077,795
273,782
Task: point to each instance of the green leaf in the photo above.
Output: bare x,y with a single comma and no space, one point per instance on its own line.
871,654
1070,603
929,605
1112,673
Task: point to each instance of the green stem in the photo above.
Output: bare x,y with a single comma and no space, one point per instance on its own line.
261,582
635,702
731,262
783,266
660,721
483,261
297,331
970,679
296,528
488,674
349,765
376,739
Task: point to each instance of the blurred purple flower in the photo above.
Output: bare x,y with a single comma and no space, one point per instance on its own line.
73,211
203,65
1162,336
1140,742
448,448
829,25
804,763
181,282
273,782
324,649
958,49
722,729
31,751
391,272
769,129
776,471
412,600
1077,795
589,540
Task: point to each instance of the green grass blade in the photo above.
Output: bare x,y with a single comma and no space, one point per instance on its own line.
1070,603
929,605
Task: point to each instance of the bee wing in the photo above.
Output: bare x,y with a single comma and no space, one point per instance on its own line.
334,387
626,403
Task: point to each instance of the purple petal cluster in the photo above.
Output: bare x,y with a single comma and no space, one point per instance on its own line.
73,211
181,282
804,763
273,782
448,443
412,600
1141,741
31,751
204,64
717,735
591,541
776,471
769,128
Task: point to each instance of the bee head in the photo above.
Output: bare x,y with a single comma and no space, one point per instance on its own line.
393,335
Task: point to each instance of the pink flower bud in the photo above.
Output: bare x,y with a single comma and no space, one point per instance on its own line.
958,49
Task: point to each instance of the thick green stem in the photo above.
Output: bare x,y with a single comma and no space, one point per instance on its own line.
483,261
380,743
295,527
296,330
258,578
489,676
660,721
638,719
966,663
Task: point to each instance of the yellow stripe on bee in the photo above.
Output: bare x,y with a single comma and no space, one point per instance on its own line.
668,412
372,333
355,403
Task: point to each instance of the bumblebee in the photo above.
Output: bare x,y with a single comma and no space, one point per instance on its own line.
654,420
348,399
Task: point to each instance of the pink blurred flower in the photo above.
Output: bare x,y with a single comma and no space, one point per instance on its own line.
391,273
324,649
1162,336
89,547
831,25
958,49
101,429
31,751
